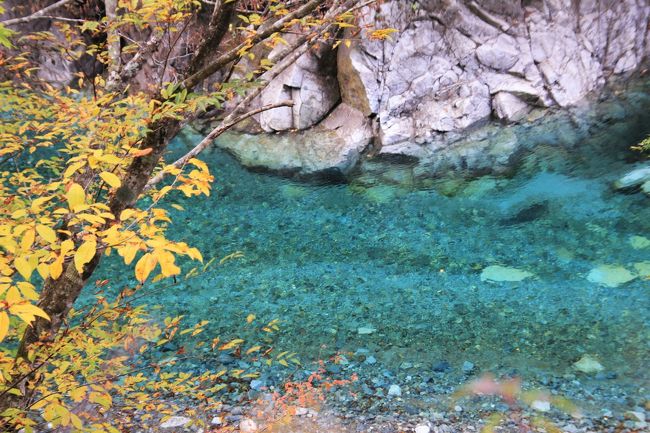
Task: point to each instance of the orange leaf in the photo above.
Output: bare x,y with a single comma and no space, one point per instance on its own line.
141,152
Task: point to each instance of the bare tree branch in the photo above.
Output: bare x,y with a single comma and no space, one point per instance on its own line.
223,127
113,41
262,33
36,15
286,59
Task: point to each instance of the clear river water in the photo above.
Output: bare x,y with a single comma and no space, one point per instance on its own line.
391,276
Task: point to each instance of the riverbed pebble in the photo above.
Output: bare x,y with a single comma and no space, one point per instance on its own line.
394,390
175,422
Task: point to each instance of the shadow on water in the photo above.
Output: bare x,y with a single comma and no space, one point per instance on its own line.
395,272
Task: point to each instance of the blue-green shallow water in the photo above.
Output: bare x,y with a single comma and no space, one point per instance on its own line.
329,259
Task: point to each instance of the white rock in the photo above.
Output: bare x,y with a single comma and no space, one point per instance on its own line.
500,53
634,178
175,421
610,275
501,273
541,405
458,408
588,364
394,390
422,429
366,330
247,425
509,107
217,420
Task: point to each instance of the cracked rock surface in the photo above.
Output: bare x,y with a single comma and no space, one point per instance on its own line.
455,66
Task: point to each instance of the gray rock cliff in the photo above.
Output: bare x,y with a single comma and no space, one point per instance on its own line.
453,67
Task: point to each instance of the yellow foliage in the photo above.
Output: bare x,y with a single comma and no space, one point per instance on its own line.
57,214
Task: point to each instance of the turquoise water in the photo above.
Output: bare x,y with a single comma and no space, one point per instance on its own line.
328,259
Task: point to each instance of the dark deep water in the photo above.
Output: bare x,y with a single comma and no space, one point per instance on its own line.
392,274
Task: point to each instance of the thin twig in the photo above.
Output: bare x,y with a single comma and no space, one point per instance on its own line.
36,15
225,125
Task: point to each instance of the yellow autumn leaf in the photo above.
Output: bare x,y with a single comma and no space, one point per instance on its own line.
253,349
112,180
56,268
84,254
28,290
28,239
231,344
72,168
145,265
43,270
4,325
167,265
27,312
24,267
47,233
38,203
129,252
75,196
250,318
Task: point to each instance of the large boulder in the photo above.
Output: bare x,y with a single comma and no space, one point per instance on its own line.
331,149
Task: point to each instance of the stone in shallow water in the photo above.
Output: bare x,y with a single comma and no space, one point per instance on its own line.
634,178
643,269
610,275
381,194
468,367
501,273
366,330
175,421
395,390
588,364
422,429
541,405
639,242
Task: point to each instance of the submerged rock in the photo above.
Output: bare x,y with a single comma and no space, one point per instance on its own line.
588,365
610,275
468,367
330,150
527,214
366,330
646,187
541,405
633,179
498,273
395,390
643,269
639,242
442,367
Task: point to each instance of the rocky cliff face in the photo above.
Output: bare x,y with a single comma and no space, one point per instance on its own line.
433,92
